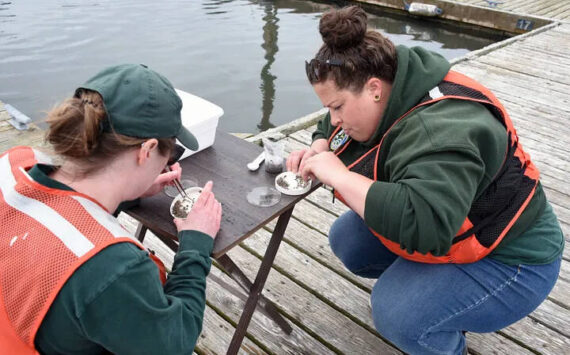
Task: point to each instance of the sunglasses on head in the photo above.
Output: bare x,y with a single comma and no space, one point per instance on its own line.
315,68
175,154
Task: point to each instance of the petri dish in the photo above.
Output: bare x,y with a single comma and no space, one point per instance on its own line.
180,206
263,196
171,191
290,183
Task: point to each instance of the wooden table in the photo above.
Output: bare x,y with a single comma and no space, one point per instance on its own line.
224,163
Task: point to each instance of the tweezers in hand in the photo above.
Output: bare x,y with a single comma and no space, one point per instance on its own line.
178,185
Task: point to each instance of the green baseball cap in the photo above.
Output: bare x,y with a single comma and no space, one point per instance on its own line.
140,103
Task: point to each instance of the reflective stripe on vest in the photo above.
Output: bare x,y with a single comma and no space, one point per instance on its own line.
41,225
493,213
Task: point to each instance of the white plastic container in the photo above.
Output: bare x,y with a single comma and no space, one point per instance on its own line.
421,9
200,117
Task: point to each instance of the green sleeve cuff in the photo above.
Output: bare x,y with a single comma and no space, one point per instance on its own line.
318,135
195,240
323,128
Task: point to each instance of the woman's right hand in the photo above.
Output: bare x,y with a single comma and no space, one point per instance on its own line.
205,215
296,160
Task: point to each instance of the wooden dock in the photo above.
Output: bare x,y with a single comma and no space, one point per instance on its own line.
553,9
328,306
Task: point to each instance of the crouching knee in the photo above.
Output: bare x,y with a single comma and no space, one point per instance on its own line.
393,320
343,240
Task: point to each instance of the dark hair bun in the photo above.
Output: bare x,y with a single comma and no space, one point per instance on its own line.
344,28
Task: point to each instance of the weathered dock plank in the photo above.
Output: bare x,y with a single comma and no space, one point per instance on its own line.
553,316
518,86
309,274
315,244
565,272
538,7
517,5
216,335
261,328
561,292
341,332
493,343
517,61
538,337
554,9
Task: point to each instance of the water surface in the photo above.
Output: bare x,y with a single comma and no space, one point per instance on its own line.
245,56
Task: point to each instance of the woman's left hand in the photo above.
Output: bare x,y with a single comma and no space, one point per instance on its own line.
165,178
326,167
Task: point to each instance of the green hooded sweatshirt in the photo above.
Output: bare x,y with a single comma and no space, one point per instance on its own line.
434,163
115,303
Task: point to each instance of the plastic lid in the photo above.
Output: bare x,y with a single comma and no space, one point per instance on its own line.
263,196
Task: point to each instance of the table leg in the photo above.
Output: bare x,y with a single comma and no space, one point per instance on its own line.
237,275
171,243
141,232
266,306
257,287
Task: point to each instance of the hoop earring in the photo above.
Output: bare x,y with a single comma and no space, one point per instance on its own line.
376,98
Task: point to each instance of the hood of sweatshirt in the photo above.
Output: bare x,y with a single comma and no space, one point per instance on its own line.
419,70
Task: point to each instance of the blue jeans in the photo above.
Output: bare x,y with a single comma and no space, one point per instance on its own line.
425,308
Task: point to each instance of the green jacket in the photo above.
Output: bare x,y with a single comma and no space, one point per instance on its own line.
116,303
435,163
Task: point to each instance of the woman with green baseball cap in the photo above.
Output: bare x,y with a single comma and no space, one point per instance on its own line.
72,280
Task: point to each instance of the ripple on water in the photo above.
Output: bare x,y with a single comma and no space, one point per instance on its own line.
245,56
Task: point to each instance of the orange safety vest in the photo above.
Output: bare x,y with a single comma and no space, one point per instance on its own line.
46,235
493,213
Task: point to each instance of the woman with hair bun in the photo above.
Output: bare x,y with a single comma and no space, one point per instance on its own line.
447,209
72,280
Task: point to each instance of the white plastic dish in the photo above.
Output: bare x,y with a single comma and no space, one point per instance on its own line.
186,205
290,183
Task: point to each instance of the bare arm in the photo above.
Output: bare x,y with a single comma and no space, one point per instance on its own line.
297,158
328,168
